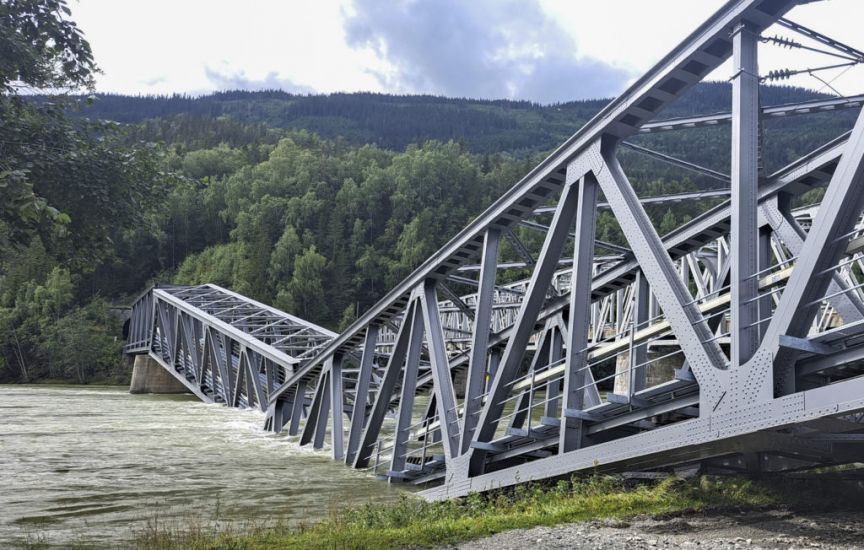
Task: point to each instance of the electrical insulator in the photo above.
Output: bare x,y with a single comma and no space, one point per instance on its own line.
780,74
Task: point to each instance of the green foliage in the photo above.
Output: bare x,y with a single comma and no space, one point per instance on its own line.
668,222
349,315
43,334
305,294
318,228
101,189
218,264
68,182
216,162
40,48
281,266
84,345
71,195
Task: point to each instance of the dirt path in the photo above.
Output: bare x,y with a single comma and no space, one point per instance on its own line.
770,529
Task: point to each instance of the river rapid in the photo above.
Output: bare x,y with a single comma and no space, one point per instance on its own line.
96,465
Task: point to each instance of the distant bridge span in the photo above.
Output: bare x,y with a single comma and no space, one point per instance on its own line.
734,343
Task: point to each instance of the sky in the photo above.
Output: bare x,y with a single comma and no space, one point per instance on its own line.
541,50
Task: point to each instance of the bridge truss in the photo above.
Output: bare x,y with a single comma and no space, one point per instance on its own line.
224,347
736,342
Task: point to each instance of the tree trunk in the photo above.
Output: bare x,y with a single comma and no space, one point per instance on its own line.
25,376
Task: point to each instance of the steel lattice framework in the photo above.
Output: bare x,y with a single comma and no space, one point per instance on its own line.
736,342
224,347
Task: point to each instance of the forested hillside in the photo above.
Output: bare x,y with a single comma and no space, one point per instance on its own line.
321,227
315,204
394,121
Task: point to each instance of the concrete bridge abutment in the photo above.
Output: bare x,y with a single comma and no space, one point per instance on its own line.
148,376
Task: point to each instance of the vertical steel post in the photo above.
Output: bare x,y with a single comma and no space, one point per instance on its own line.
315,410
361,393
745,179
223,364
576,363
275,416
409,387
200,369
480,339
431,411
212,360
323,411
239,377
253,364
337,403
443,382
492,367
269,368
297,407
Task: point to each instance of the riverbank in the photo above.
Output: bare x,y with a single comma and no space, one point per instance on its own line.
414,523
774,528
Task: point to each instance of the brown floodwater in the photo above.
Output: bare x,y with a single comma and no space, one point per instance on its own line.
96,465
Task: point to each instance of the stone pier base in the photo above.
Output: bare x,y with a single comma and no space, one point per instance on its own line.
656,372
149,377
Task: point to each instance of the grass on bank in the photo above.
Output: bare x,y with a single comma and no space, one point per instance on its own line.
412,522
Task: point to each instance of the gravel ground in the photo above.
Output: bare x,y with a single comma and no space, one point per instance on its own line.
761,529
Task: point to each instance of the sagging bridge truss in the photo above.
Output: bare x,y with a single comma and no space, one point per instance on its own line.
736,342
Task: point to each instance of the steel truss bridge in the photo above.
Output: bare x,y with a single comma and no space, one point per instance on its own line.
735,343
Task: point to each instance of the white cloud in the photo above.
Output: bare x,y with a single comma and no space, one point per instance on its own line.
490,48
482,48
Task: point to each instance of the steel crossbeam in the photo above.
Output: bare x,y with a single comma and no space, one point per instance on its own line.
773,112
738,334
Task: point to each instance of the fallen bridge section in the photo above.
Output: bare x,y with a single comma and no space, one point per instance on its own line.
221,346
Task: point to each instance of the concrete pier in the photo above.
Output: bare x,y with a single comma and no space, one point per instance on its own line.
656,372
148,376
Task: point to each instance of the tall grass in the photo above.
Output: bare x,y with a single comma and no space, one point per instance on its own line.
412,522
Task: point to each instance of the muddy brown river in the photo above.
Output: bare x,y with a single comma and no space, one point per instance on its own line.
96,465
